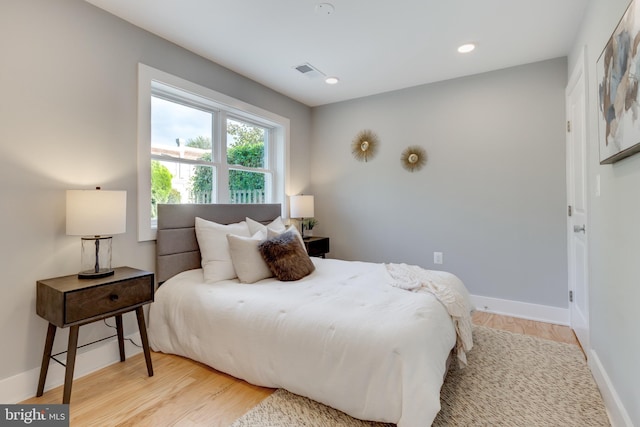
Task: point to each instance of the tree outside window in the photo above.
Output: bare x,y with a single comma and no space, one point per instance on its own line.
161,188
245,148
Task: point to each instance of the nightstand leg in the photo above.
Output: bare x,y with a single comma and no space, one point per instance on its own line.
145,341
46,356
120,336
71,362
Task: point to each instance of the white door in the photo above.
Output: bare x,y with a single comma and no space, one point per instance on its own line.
577,229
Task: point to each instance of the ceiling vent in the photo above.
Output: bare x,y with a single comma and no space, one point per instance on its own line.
309,70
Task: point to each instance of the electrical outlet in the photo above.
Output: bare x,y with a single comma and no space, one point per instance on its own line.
437,257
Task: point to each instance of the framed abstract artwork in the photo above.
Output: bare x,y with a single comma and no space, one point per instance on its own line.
618,71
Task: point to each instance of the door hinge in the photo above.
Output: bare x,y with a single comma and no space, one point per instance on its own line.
570,296
568,126
569,210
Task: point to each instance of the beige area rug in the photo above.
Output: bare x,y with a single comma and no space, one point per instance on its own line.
511,380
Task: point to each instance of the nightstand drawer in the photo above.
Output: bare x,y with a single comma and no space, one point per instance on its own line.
90,302
317,246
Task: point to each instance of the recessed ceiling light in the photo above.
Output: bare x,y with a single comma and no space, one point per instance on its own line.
466,48
331,80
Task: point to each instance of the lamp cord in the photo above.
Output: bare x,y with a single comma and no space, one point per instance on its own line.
127,339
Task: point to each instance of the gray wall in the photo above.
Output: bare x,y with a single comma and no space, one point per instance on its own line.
68,75
491,197
614,230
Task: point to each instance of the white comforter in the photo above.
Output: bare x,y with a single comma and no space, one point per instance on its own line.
341,336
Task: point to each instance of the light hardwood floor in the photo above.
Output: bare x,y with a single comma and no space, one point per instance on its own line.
186,393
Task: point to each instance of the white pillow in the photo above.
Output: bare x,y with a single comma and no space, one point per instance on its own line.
246,258
293,228
276,225
214,248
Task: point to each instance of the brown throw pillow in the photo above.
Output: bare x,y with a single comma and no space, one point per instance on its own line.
286,257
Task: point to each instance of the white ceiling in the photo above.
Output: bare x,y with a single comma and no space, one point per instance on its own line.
372,46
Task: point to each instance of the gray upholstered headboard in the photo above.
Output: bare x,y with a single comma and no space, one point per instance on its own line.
177,247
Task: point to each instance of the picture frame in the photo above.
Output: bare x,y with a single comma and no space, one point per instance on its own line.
618,74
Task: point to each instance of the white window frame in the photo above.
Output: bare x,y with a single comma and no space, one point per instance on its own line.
150,79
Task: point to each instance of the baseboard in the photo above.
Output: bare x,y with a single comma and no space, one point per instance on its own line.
618,415
540,313
23,386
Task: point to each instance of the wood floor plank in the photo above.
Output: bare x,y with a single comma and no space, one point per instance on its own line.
187,393
548,331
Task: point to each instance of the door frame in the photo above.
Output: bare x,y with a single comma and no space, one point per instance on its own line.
579,72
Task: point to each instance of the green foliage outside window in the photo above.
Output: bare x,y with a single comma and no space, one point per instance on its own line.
246,150
161,190
250,155
200,142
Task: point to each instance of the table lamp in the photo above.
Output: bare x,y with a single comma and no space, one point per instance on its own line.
96,215
301,206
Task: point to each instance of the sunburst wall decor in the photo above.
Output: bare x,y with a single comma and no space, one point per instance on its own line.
413,158
365,145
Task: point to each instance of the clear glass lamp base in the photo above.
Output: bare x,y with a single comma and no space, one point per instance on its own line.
90,274
96,257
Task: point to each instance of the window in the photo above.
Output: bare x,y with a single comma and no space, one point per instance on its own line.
196,145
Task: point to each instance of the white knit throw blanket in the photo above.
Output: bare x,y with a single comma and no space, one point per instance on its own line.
448,289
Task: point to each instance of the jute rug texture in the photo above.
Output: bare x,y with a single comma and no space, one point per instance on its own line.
511,380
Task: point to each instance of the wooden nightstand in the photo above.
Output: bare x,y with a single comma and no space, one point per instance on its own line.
316,245
69,301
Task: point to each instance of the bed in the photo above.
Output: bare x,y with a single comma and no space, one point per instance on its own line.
372,340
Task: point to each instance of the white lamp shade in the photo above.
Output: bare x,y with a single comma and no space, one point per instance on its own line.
301,206
96,212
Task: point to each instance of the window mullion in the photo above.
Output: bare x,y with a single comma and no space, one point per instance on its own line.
179,160
270,163
220,146
248,169
269,152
